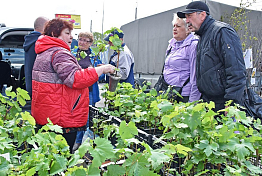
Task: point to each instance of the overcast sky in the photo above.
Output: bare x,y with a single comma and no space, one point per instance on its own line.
22,13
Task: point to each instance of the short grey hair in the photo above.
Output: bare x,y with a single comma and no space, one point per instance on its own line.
175,17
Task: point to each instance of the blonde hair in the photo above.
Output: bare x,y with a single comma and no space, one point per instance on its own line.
88,35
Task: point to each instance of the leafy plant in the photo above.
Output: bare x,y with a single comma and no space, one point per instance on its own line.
82,54
218,143
100,47
117,43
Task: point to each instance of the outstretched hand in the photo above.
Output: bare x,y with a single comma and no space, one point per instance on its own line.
108,68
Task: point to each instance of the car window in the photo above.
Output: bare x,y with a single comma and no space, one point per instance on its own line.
14,55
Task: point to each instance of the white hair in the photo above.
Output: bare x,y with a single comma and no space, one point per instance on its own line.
175,17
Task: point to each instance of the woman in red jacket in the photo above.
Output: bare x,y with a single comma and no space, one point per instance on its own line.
59,85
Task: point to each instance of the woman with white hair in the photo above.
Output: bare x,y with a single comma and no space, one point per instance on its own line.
179,69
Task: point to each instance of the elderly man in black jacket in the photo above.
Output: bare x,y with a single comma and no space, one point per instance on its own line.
220,66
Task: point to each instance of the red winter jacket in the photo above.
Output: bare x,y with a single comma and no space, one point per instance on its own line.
59,86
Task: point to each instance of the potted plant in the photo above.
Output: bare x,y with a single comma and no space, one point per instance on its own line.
116,46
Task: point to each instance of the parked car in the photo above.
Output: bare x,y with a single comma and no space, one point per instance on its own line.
12,56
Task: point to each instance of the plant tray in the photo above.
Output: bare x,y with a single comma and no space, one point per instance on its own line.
150,139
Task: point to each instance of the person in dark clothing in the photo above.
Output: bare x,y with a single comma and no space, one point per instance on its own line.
220,66
29,47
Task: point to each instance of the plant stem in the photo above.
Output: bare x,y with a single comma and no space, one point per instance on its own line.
117,64
7,112
257,157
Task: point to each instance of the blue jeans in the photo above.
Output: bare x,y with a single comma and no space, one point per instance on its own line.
80,134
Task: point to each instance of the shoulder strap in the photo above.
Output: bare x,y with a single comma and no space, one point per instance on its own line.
165,60
187,81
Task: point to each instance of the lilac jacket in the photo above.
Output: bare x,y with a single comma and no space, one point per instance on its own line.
180,64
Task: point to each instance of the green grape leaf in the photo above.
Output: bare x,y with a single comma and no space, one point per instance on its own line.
42,172
74,158
169,149
127,131
93,171
128,103
23,93
6,143
199,107
252,168
96,50
116,41
135,163
153,92
58,165
9,93
209,148
79,172
182,149
193,121
145,171
157,158
31,172
27,116
242,151
103,150
115,170
210,105
165,106
83,54
4,166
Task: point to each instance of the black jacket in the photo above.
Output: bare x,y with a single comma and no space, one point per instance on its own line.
30,55
220,66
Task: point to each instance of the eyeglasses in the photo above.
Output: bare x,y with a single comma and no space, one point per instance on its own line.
83,40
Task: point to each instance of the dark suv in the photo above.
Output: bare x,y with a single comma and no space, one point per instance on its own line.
12,56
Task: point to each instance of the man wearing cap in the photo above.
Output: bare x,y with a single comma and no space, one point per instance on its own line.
126,60
220,67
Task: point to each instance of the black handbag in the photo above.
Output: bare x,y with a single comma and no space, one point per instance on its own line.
162,87
174,92
252,103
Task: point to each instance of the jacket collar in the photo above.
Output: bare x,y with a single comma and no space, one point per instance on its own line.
186,42
45,42
205,25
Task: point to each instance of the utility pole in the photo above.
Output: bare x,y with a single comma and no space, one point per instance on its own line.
103,22
91,26
136,12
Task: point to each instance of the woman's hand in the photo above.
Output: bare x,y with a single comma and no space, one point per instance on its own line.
103,69
108,68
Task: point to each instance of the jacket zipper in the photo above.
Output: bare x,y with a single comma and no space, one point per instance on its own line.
76,103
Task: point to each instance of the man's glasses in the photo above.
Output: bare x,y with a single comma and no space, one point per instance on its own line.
83,40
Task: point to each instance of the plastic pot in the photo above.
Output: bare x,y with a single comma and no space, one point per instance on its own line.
113,81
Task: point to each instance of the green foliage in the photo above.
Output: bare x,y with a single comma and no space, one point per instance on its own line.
116,43
192,131
193,136
97,36
100,46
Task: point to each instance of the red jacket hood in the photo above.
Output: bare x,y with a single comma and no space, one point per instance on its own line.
45,42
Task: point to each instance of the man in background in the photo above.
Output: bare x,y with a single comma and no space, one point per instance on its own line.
126,60
29,47
220,66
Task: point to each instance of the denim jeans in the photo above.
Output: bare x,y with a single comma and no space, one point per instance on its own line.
80,134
